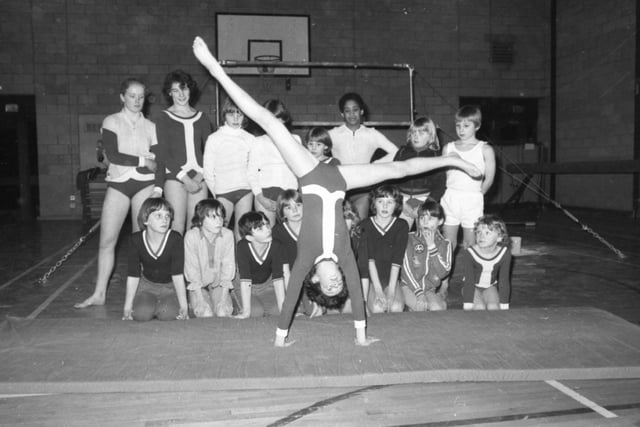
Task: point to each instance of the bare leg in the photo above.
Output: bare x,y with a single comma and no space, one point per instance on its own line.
451,234
269,213
410,219
114,212
297,157
228,209
409,213
372,305
176,195
435,302
468,237
491,298
364,175
409,298
192,200
136,204
360,203
397,305
242,207
478,300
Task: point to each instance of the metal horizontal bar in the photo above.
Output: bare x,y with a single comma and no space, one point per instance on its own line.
301,124
586,168
298,64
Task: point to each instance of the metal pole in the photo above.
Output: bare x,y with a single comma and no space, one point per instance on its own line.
326,64
411,100
299,64
24,170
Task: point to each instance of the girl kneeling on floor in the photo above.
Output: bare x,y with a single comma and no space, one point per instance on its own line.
157,251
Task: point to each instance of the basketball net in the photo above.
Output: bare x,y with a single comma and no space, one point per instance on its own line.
266,71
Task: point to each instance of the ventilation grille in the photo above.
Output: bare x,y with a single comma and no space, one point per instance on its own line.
502,51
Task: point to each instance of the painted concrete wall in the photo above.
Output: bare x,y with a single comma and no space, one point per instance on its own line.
72,55
595,98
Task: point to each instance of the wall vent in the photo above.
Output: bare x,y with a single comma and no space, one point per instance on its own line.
501,51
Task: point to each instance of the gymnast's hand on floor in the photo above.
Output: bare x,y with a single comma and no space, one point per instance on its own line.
317,310
127,314
367,341
283,341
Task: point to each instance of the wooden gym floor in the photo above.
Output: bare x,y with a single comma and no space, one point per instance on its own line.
563,270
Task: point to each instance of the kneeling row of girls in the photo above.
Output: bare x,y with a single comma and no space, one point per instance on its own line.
202,274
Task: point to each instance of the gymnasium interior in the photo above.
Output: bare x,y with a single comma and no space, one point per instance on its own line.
557,83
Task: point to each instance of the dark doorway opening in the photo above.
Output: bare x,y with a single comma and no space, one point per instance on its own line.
18,157
506,121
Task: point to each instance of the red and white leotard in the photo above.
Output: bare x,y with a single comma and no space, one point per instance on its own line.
323,234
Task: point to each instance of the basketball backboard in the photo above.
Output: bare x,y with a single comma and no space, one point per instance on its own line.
245,37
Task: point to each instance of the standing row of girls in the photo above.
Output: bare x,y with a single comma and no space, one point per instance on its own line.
170,156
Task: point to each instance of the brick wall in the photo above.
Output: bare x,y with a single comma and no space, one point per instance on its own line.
595,98
72,55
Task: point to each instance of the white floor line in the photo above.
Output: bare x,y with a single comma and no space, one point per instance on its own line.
58,291
30,269
13,396
581,399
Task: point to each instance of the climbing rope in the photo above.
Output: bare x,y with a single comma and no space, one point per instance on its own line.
43,280
539,191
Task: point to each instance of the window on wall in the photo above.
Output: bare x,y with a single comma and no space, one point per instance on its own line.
506,121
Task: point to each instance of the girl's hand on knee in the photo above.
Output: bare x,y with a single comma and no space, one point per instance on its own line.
381,302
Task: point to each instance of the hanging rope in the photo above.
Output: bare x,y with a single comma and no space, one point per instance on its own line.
537,189
540,191
43,280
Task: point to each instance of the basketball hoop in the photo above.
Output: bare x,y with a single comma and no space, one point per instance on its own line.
267,59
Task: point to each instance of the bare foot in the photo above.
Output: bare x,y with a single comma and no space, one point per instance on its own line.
203,54
92,300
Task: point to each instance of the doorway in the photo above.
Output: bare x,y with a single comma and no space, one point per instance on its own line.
18,158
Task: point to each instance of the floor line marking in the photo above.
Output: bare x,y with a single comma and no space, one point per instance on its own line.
58,291
33,267
319,405
13,396
581,399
